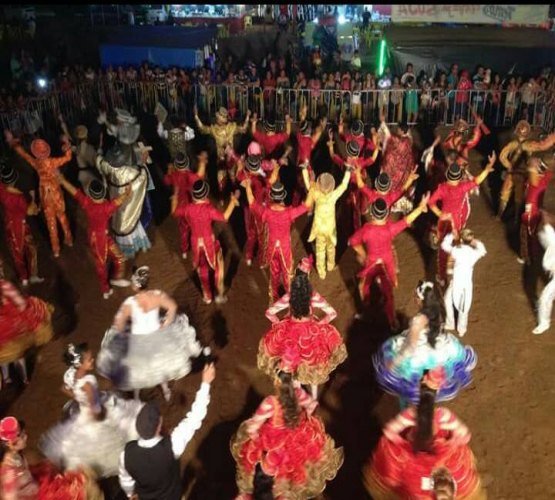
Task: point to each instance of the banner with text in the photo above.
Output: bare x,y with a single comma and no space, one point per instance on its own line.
470,14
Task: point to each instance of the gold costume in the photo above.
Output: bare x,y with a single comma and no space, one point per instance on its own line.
223,134
324,229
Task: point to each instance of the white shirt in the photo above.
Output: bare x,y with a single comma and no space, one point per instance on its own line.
189,133
547,239
180,436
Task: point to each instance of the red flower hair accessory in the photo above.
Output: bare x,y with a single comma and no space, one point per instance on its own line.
305,265
9,429
435,378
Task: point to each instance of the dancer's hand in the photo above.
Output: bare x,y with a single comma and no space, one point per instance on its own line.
424,202
209,373
8,136
254,118
491,160
246,182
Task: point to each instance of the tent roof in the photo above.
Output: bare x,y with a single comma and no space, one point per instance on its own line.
161,36
428,36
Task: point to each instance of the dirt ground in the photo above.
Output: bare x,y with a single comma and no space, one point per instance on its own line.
508,407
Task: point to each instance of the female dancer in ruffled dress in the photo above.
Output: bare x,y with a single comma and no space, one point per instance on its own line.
19,481
300,344
24,323
420,449
95,435
289,442
403,359
152,351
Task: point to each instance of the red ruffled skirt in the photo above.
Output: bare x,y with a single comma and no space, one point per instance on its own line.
71,485
307,349
300,460
21,330
396,471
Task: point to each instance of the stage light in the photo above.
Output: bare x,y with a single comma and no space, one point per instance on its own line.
41,83
342,19
315,20
381,59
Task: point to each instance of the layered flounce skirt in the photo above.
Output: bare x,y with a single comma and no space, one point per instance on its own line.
396,472
310,351
21,330
139,361
300,460
81,441
457,360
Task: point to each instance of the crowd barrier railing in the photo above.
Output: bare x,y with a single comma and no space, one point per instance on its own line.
498,108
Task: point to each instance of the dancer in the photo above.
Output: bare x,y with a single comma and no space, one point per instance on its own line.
207,253
51,196
24,322
455,209
383,187
95,435
20,239
300,344
398,161
316,300
546,236
513,157
223,132
420,444
324,196
182,178
103,248
270,140
18,481
457,140
403,359
277,219
459,292
175,133
360,164
357,134
125,165
289,443
149,467
538,180
151,351
373,244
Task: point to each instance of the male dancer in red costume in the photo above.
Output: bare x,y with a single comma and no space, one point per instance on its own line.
20,240
383,188
454,141
455,210
182,179
207,253
356,134
270,140
51,196
104,249
373,244
538,180
278,220
357,202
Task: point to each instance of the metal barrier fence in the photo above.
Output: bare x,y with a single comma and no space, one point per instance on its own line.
497,108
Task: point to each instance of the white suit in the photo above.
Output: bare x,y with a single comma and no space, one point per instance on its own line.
545,304
459,293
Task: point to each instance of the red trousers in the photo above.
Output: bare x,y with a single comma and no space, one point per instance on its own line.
24,255
184,233
280,274
380,273
357,201
54,214
113,254
444,227
203,271
253,233
529,244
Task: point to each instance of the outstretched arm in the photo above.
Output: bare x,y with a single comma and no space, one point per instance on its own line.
233,202
422,207
202,128
70,188
241,129
538,146
55,163
488,170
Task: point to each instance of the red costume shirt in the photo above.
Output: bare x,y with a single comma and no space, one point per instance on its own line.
357,162
183,180
534,194
390,198
306,145
200,217
270,142
455,141
278,224
258,184
452,199
364,143
14,206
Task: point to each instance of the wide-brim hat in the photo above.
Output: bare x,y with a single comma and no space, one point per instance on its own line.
8,174
81,132
305,128
222,114
357,127
454,172
181,161
253,163
523,128
96,190
379,209
128,133
461,125
269,126
278,192
326,182
201,189
124,116
353,148
383,182
40,149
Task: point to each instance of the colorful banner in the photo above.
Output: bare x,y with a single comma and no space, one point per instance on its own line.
470,14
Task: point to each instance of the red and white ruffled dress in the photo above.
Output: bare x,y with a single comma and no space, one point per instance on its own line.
305,348
300,459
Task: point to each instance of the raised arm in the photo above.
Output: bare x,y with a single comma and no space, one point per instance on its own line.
55,163
163,134
447,243
241,129
339,190
319,131
488,170
422,207
203,129
538,146
476,135
288,124
254,120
